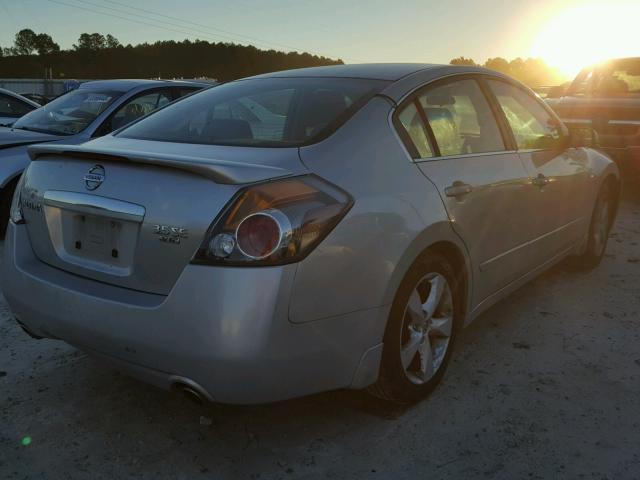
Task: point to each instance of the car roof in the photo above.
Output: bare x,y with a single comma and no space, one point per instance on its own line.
402,77
124,85
373,71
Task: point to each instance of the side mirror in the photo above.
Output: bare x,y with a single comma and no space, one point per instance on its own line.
580,137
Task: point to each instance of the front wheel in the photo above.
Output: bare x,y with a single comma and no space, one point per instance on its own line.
601,222
420,333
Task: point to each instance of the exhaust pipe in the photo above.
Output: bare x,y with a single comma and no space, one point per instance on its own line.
190,390
191,394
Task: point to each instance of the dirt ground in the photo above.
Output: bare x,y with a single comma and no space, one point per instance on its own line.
544,385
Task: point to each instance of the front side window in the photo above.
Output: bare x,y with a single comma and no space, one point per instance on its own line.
534,128
138,107
259,112
69,114
461,119
10,107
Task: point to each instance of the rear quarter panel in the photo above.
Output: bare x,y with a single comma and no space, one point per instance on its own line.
397,213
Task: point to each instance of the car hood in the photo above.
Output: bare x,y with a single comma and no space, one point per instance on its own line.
10,137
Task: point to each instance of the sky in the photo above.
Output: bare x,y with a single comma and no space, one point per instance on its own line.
357,31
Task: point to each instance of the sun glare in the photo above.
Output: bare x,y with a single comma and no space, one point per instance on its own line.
587,33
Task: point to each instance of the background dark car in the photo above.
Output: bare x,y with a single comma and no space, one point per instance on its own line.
14,106
606,98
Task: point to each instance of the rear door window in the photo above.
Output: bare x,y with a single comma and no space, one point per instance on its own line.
461,119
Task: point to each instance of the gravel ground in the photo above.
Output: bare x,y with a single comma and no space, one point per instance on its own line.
544,385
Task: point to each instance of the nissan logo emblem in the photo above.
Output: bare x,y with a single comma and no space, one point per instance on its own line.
94,178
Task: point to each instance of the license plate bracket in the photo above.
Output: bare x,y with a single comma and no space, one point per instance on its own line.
96,237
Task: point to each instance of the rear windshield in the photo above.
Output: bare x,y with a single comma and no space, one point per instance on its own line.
268,112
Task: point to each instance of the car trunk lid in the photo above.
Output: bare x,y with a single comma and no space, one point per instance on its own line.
135,216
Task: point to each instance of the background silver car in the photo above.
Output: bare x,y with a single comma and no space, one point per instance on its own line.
339,236
14,106
94,109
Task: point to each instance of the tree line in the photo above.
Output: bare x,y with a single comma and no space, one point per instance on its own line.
95,55
533,72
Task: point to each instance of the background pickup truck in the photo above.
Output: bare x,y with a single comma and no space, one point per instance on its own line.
606,98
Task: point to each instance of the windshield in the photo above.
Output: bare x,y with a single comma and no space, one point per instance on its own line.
69,114
259,112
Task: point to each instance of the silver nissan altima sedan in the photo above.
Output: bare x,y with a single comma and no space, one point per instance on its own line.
305,230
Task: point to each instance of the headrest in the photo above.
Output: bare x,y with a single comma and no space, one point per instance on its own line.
227,129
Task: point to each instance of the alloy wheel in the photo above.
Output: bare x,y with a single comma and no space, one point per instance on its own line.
427,328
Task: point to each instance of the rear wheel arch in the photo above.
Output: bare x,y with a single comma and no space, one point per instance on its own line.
441,260
454,255
453,252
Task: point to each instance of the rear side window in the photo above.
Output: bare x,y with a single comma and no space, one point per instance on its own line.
461,119
259,112
414,127
620,77
533,127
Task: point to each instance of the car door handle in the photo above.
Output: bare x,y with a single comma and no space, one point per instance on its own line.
458,189
540,180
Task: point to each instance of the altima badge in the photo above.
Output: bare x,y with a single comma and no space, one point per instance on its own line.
95,177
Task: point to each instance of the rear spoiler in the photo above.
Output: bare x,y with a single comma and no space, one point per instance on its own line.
220,171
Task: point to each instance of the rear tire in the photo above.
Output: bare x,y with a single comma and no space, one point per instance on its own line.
425,317
6,195
601,222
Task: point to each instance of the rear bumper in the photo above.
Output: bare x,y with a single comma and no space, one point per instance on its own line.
226,329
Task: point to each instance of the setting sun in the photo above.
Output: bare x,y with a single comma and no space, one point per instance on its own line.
588,33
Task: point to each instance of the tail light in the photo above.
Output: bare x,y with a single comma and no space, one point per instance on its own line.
274,223
15,212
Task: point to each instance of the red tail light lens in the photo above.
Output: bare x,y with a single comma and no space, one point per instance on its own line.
258,235
274,223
